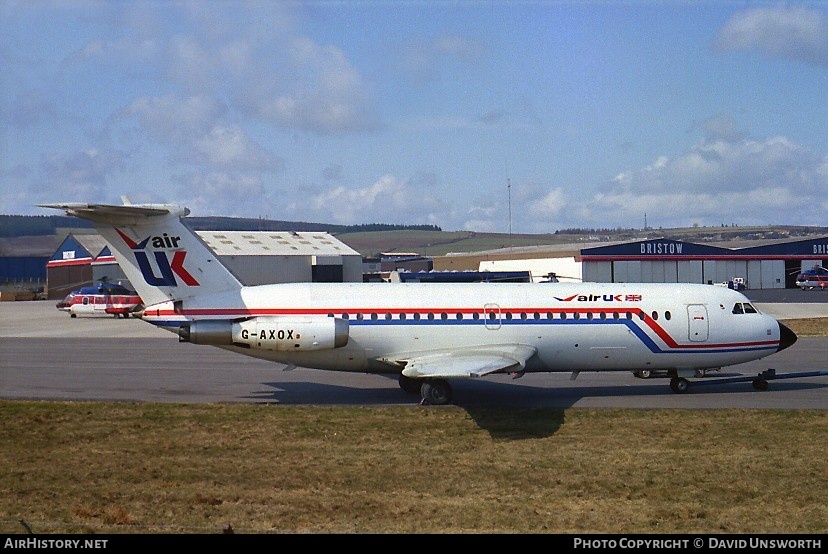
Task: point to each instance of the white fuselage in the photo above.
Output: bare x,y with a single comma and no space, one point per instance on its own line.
573,327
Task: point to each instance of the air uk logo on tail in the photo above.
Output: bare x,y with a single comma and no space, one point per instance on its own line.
168,269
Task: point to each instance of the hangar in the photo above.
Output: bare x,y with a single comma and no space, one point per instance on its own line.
70,267
770,266
255,257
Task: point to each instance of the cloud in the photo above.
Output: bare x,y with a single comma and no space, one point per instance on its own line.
172,118
191,125
387,200
717,181
794,33
230,147
551,205
225,193
321,92
84,174
744,180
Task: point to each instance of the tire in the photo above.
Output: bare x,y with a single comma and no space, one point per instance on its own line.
409,385
679,385
700,373
436,392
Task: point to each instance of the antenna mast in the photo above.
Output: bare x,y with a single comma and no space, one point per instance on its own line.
509,187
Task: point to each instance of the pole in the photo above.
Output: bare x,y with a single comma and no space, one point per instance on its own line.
509,187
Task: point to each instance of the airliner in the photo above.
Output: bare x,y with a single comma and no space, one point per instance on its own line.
429,334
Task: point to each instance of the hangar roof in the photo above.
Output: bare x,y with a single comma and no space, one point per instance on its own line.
275,243
77,249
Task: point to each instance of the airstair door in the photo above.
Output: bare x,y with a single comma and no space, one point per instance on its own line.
698,324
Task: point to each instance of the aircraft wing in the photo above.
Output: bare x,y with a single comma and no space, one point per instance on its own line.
469,362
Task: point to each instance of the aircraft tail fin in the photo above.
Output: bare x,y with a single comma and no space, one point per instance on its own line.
163,259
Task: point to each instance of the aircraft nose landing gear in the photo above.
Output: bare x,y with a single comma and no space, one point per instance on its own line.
679,384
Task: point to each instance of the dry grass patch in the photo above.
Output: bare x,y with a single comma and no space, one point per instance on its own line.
124,468
809,327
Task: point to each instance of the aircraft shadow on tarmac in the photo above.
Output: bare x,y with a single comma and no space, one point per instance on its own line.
528,415
493,394
542,408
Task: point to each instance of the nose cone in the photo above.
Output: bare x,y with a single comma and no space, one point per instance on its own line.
786,337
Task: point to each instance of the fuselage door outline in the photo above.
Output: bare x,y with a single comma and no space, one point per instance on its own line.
491,316
699,327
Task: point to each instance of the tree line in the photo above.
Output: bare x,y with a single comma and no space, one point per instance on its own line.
39,225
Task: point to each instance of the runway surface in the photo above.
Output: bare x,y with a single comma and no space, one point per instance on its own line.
44,354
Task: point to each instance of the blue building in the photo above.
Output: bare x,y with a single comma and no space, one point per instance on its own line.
769,266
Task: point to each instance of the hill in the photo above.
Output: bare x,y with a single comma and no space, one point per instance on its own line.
443,243
39,225
430,240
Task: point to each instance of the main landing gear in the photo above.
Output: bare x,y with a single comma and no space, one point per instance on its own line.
432,391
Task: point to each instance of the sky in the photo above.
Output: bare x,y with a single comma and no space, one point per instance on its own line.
488,116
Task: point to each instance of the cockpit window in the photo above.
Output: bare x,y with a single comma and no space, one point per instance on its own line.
745,308
738,308
749,309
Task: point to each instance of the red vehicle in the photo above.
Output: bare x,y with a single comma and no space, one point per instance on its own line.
102,299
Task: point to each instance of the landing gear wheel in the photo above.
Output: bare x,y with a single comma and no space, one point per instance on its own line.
410,385
436,392
679,384
700,373
760,384
643,373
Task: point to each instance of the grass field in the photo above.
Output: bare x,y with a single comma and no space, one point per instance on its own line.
149,468
158,468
